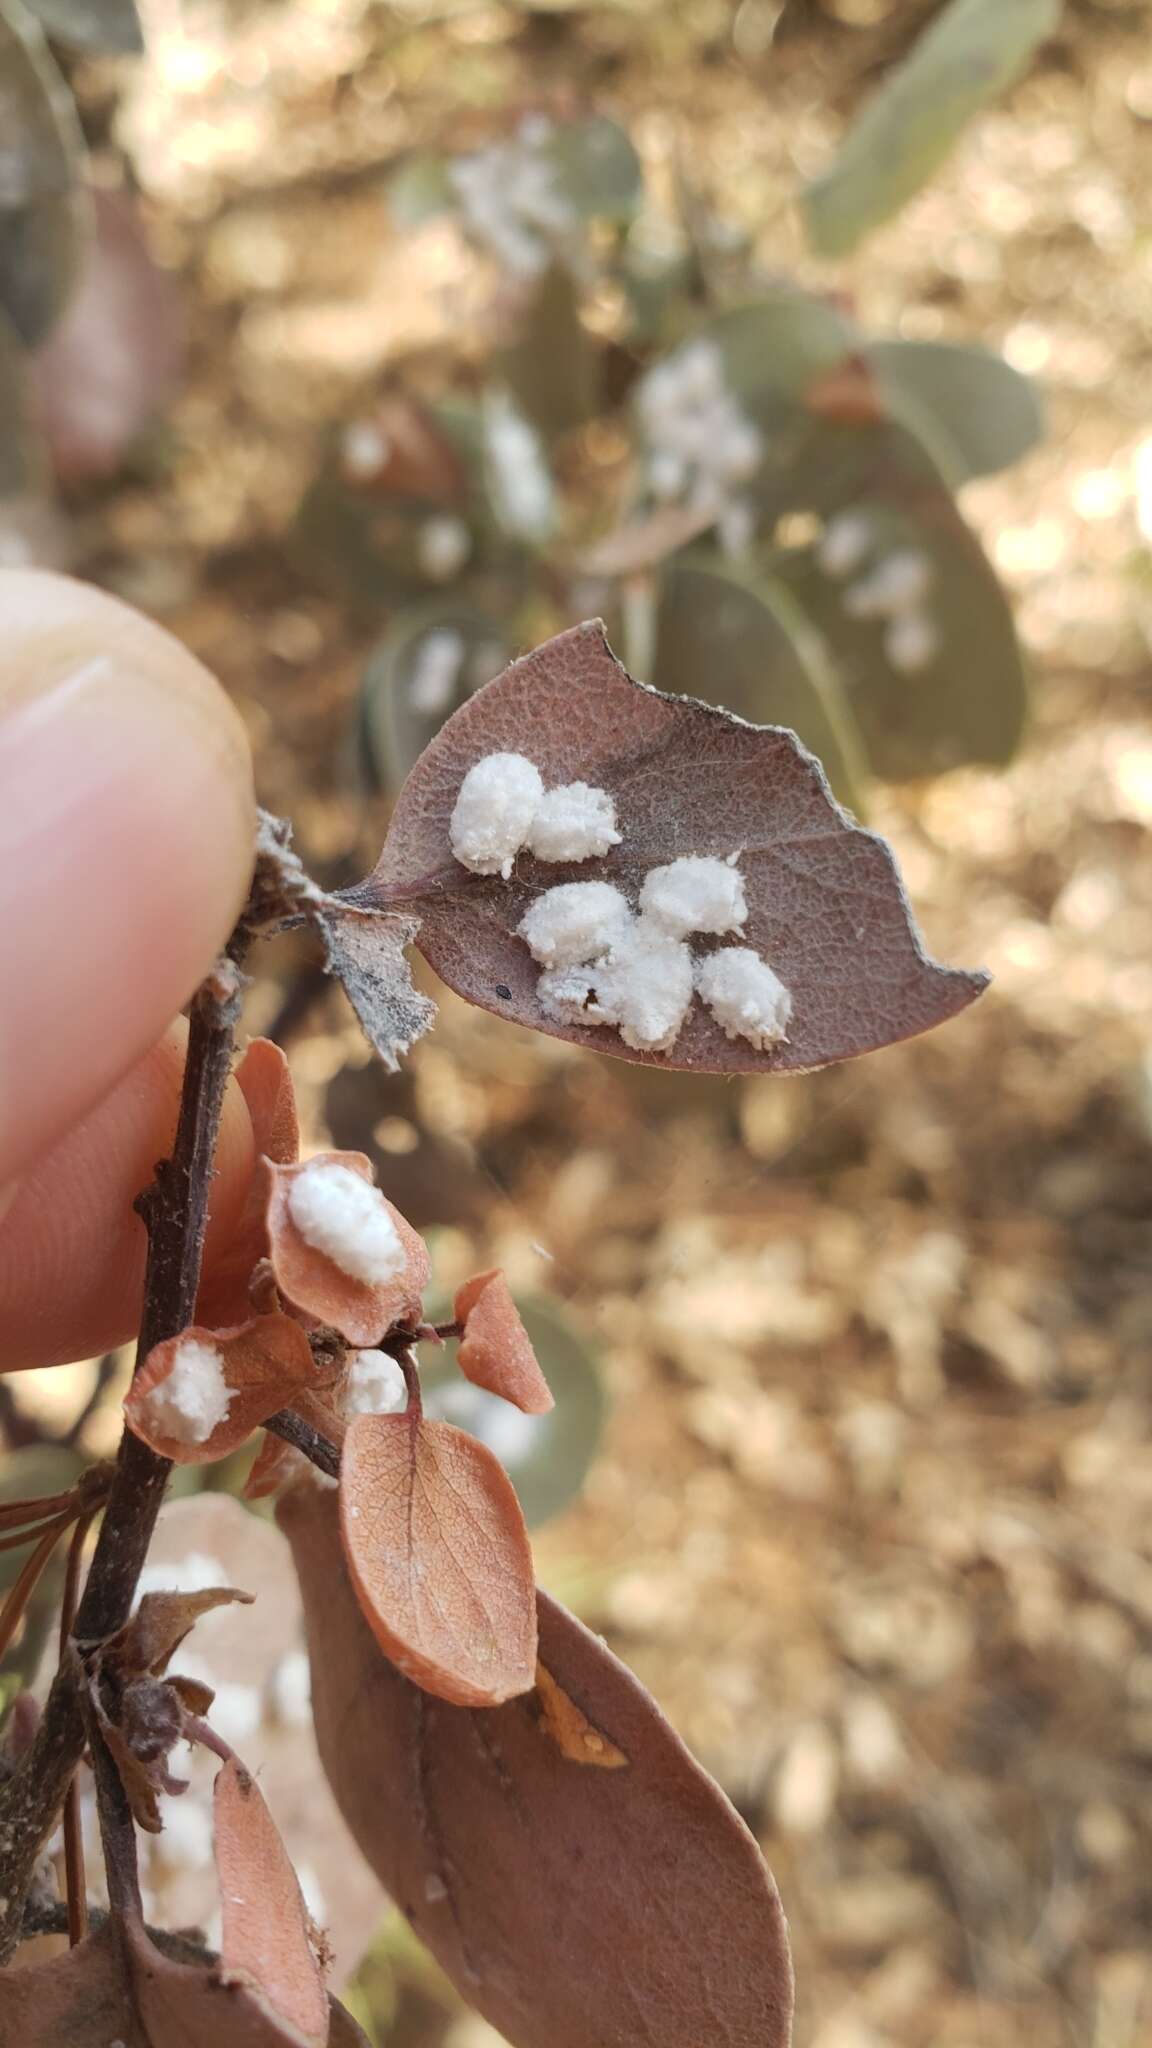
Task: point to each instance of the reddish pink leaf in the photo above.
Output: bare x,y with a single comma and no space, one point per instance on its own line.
266,1085
495,1349
317,1286
265,1082
439,1556
265,1945
263,1364
570,1906
827,910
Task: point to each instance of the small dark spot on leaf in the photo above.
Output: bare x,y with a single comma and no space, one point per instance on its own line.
504,993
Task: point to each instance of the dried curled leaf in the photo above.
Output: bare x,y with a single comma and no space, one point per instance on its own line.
495,1350
140,1712
827,909
265,1944
439,1556
365,952
569,1906
362,1311
263,1364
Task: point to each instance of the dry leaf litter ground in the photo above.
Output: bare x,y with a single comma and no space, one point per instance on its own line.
873,1512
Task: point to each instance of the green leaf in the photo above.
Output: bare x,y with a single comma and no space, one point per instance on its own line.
597,168
963,698
551,367
41,213
973,51
420,189
110,27
986,413
715,624
416,678
775,346
547,1457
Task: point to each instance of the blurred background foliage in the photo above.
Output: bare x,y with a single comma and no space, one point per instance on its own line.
852,1456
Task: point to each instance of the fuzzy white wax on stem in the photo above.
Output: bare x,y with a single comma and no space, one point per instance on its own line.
573,822
194,1399
744,995
695,894
575,922
345,1217
375,1385
499,797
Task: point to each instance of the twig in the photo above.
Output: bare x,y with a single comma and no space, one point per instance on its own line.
75,1876
28,1580
303,1437
175,1210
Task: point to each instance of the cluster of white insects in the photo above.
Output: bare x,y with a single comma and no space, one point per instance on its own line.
703,450
343,1216
604,961
894,588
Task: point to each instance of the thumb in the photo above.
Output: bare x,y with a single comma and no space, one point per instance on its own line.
126,822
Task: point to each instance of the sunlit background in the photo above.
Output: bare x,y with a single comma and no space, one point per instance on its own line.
870,1510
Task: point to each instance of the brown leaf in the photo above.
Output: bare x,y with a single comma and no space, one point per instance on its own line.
827,910
569,1906
264,1944
158,1627
117,1986
265,1082
439,1556
78,2000
317,1286
264,1363
495,1349
570,1728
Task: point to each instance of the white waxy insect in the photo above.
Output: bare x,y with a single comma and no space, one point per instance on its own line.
744,995
697,893
498,799
573,822
574,923
343,1216
194,1399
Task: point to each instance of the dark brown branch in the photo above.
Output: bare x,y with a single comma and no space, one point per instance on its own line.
75,1876
175,1210
303,1438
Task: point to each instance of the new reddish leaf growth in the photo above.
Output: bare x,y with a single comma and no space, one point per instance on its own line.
495,1349
323,1283
570,1906
265,1943
439,1556
265,1082
826,908
199,1395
